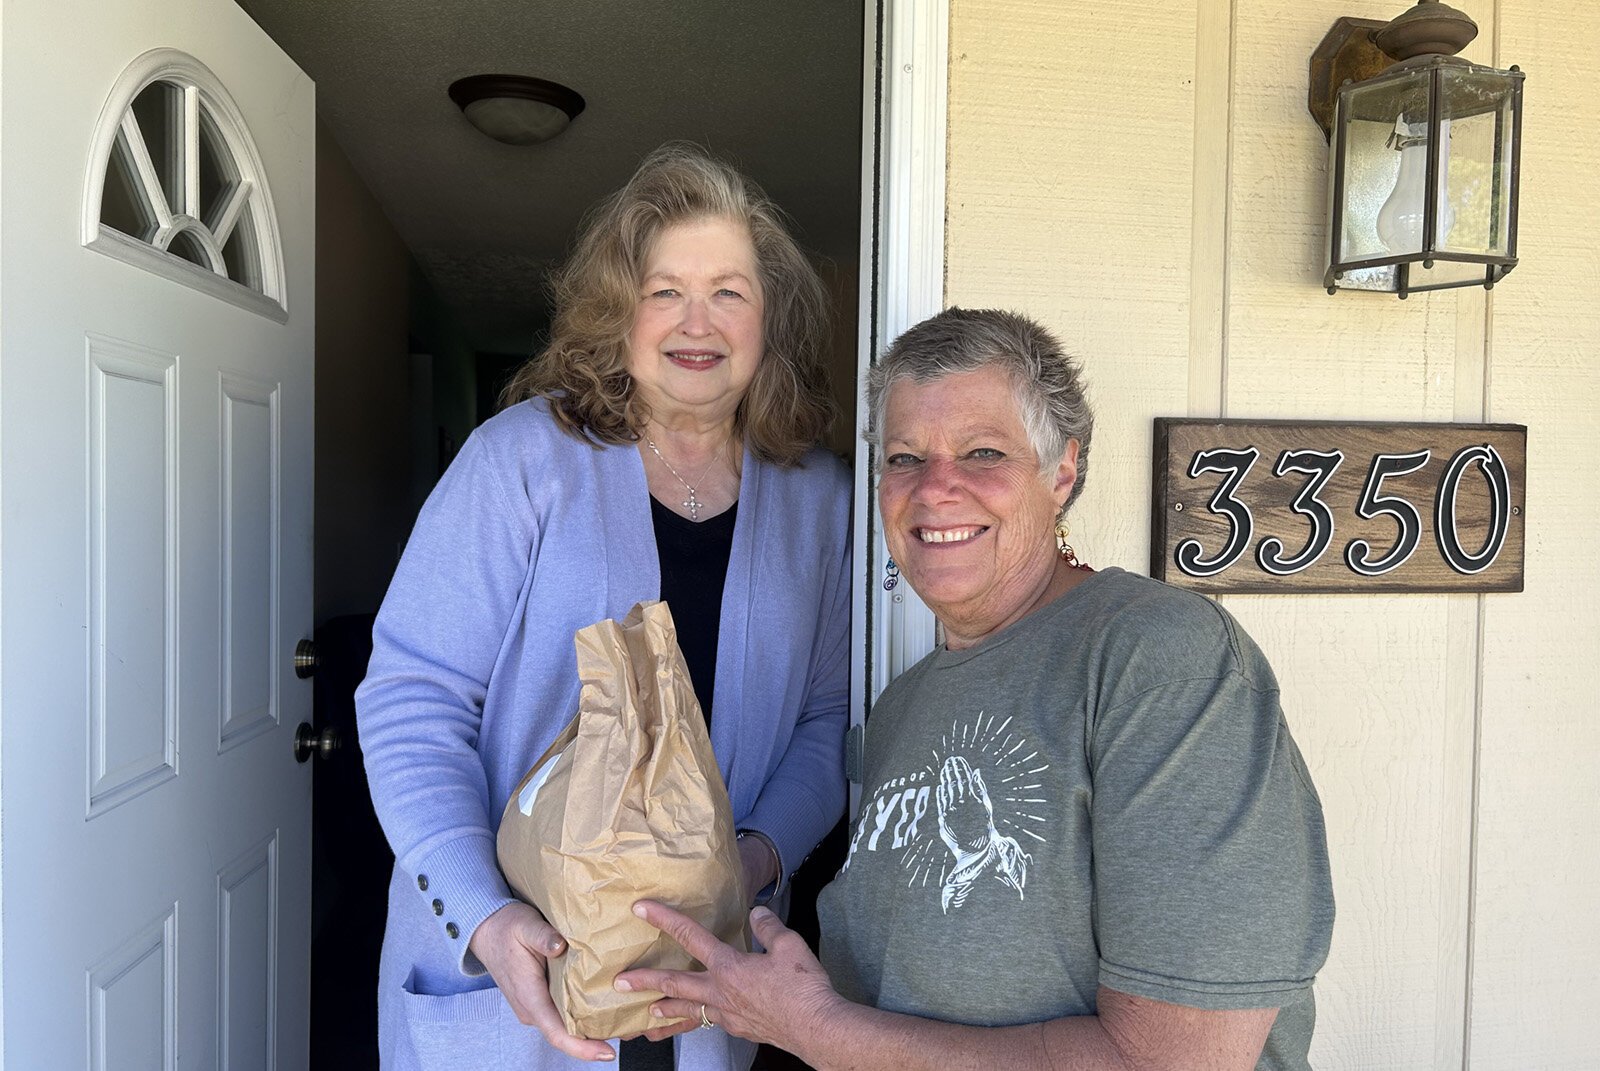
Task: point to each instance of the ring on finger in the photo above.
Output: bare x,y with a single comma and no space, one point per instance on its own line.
705,1021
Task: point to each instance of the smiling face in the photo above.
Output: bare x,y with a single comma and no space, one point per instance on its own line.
697,333
966,514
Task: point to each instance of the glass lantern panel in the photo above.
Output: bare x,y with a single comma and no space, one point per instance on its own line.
1391,95
1476,106
1446,273
1443,274
1383,122
159,111
1382,279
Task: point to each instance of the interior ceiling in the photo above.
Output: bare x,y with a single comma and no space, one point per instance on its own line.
772,85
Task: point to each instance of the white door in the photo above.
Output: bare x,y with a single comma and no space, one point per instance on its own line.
155,538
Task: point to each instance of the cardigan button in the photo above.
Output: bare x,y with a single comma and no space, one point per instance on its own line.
422,882
438,907
452,929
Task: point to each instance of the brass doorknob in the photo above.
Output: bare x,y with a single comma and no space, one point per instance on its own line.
305,659
309,742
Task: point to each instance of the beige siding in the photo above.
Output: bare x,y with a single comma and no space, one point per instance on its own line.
1536,970
1069,197
1146,179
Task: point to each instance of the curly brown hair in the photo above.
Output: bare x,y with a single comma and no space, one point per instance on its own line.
583,371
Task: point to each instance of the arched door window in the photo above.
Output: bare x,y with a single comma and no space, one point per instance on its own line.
176,186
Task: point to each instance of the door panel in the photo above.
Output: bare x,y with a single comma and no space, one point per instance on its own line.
132,581
155,537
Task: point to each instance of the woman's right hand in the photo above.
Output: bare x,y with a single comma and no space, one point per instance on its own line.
514,945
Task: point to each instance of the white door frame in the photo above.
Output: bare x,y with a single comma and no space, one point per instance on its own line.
904,100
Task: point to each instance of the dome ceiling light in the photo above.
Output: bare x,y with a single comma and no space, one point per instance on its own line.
516,109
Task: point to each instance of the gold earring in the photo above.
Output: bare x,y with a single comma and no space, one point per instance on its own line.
1063,547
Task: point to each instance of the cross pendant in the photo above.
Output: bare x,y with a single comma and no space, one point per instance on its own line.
693,504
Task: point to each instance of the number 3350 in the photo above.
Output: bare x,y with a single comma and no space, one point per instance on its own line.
1317,468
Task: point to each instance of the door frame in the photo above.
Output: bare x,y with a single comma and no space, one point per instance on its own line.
905,71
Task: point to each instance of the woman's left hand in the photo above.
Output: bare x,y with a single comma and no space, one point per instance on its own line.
777,996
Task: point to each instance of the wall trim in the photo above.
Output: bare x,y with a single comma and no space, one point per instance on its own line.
1212,193
902,253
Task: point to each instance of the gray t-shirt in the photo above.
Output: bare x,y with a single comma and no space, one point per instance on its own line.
1104,793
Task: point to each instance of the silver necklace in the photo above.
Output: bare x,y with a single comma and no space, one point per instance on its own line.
692,503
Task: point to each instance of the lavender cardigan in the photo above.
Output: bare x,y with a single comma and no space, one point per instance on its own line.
529,536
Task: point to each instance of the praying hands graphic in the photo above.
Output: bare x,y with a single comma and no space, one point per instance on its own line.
966,824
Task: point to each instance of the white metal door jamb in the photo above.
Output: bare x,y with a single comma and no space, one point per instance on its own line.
905,95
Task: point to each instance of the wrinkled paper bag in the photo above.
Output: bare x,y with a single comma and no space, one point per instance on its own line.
627,804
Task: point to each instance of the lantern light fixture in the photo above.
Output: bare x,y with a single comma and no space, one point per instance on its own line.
1423,151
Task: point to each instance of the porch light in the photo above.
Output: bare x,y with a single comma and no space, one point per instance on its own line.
1422,154
514,108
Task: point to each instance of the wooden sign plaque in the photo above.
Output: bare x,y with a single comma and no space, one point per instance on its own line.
1307,506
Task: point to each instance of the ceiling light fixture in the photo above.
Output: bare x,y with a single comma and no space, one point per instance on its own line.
516,109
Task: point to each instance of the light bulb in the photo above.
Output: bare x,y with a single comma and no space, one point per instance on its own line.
1400,218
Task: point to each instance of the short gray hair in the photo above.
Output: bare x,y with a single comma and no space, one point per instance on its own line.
1046,381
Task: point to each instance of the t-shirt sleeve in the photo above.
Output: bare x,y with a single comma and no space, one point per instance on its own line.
1210,858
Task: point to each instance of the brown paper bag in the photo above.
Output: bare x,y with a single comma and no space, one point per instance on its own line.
627,804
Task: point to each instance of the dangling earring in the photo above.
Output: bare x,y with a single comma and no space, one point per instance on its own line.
891,574
1063,547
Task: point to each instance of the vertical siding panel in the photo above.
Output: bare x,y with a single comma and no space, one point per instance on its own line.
1369,681
1208,256
1069,197
1536,975
1458,770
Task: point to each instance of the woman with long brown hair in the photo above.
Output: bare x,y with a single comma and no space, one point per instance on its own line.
662,446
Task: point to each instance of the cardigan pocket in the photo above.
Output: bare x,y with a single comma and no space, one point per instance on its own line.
458,1031
472,1031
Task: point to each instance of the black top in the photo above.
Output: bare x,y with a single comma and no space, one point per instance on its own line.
694,566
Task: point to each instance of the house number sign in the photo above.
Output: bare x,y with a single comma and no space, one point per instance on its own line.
1303,506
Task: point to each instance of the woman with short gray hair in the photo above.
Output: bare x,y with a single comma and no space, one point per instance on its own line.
1087,839
1047,382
